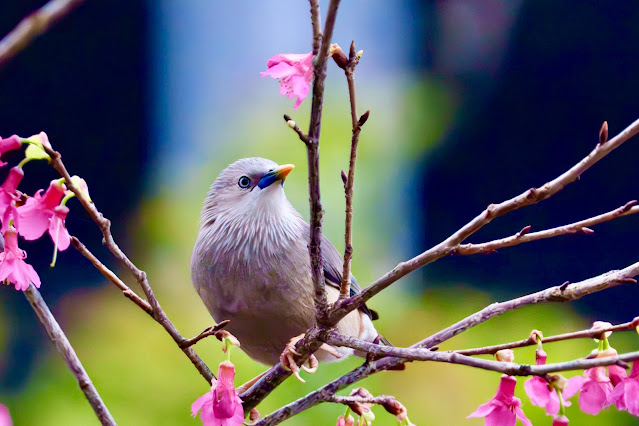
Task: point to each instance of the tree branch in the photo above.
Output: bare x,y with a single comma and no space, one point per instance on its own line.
591,333
63,346
319,70
111,276
345,287
104,225
524,237
446,247
34,25
510,368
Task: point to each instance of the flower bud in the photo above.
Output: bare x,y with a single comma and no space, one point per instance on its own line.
338,56
602,325
505,355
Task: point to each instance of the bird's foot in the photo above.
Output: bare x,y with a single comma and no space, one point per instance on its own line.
288,362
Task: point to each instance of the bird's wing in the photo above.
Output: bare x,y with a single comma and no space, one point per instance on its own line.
333,265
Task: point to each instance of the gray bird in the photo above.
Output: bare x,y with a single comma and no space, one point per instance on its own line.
250,264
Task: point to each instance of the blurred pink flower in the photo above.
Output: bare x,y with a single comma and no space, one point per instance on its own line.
8,194
594,386
5,418
295,73
9,144
12,265
342,421
43,212
504,408
221,406
537,389
560,421
625,395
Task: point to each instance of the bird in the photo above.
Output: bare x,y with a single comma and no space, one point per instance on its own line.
250,264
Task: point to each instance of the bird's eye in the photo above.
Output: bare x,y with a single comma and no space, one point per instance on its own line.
244,182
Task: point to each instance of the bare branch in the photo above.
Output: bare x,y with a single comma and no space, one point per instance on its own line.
293,125
553,294
345,287
104,225
63,346
34,25
510,368
573,228
319,70
317,25
530,341
210,331
446,247
110,275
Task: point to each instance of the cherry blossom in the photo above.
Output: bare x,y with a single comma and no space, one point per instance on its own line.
295,73
221,406
504,408
13,268
625,395
44,212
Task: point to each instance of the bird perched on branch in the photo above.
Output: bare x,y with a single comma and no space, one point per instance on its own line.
250,264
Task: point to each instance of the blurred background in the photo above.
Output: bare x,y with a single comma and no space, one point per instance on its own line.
471,103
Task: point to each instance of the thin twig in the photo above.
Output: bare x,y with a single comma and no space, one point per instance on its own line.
316,21
63,346
104,225
210,331
510,368
530,341
446,247
111,276
319,70
573,228
34,25
293,125
345,287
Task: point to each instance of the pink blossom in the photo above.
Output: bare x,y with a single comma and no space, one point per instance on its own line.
8,194
12,265
626,393
342,421
43,212
594,386
5,418
504,408
538,391
9,144
221,406
560,421
295,72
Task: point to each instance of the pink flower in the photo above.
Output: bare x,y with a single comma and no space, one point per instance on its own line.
594,386
12,264
5,418
626,393
504,408
8,194
9,144
295,72
560,421
43,212
341,421
221,406
537,389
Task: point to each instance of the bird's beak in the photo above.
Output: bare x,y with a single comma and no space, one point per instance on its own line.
276,174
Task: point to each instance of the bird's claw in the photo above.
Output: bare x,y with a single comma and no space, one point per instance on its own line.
288,362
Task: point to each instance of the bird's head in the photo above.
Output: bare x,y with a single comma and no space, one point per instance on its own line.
250,186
